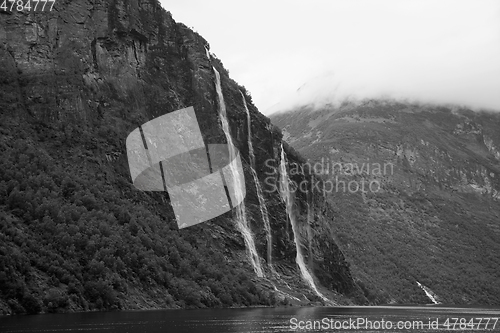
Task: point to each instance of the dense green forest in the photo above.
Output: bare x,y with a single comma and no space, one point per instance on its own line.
75,235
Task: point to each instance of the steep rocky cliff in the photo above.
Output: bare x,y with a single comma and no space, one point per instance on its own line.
429,211
75,234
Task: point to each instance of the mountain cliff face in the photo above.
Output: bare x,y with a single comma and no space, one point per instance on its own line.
429,211
75,234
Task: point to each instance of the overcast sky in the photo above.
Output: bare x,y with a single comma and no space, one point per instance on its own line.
437,51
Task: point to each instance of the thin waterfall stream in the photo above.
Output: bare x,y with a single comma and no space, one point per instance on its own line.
287,198
260,194
241,219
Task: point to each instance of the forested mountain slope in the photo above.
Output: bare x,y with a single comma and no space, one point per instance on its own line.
74,232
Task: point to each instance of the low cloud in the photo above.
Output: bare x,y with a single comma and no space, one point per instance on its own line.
293,52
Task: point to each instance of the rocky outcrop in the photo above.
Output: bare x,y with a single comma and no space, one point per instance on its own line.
90,71
494,150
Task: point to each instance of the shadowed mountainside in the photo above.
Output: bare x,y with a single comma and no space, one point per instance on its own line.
74,233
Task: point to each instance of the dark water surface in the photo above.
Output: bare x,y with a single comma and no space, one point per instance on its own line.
339,319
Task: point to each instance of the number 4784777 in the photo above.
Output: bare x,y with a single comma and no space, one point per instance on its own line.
27,5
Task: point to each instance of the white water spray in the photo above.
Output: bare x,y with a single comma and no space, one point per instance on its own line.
285,194
260,194
428,293
241,220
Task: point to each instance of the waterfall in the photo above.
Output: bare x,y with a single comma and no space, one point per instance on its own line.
285,294
260,195
285,194
241,220
310,218
428,293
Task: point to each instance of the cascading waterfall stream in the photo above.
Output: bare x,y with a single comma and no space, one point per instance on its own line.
241,220
260,194
310,218
428,293
285,194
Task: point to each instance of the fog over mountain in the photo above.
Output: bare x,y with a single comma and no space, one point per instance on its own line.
439,52
328,90
90,92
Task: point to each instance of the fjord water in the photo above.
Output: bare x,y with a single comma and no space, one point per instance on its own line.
251,320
